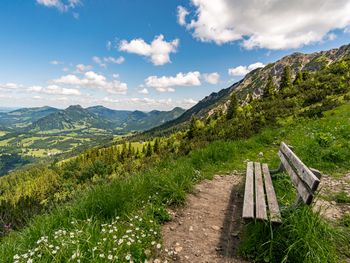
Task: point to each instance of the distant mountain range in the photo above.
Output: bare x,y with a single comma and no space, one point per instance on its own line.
45,119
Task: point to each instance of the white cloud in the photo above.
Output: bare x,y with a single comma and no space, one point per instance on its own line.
212,78
9,86
143,91
146,103
158,51
166,83
190,102
56,62
80,68
93,80
113,60
272,24
244,70
181,15
54,90
61,5
99,61
103,62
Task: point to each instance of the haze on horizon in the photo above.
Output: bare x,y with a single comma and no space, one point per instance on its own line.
125,55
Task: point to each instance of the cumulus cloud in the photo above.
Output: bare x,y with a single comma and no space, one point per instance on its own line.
158,51
244,70
271,24
181,15
54,90
211,78
167,83
93,80
61,5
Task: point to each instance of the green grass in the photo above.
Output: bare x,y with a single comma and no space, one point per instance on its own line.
303,237
342,197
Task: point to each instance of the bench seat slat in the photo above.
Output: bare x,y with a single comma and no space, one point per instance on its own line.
304,172
259,194
274,210
302,189
248,204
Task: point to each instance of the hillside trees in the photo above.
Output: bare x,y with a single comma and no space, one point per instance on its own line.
269,89
232,107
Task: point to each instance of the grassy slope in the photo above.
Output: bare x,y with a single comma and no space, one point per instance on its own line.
323,144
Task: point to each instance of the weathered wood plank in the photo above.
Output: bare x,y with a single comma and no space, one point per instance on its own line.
303,190
248,203
260,203
303,171
316,172
274,210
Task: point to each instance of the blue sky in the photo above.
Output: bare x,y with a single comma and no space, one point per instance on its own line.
151,54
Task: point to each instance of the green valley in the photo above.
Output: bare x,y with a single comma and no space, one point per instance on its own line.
46,132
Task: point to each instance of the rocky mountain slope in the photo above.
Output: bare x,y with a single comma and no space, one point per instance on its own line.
254,82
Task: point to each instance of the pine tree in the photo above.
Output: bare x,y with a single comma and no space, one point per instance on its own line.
193,128
286,82
269,89
129,149
298,78
156,146
149,150
232,107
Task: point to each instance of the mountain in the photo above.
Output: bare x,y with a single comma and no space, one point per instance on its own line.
119,116
25,116
77,118
138,121
255,81
74,117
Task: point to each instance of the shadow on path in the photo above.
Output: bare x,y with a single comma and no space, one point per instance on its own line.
232,225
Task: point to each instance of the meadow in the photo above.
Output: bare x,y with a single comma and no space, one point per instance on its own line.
119,221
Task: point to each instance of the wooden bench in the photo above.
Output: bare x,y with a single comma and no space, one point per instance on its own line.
260,200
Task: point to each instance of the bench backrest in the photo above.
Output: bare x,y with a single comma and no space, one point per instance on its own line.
306,180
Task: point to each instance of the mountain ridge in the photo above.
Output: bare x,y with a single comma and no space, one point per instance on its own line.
254,82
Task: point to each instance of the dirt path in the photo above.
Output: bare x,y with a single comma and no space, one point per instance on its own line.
206,229
329,187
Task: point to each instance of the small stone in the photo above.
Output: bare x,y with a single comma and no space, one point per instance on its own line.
261,154
187,257
172,228
191,228
156,260
215,228
178,249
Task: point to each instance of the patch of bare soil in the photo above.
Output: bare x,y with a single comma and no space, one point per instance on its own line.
329,187
207,228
